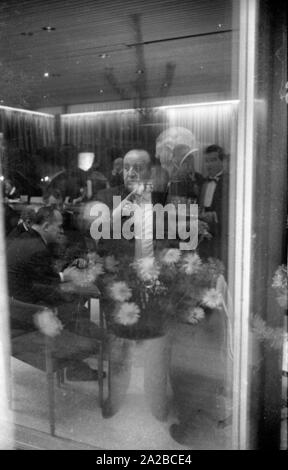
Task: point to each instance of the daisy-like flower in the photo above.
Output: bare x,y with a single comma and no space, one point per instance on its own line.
280,278
171,256
94,258
48,323
283,300
128,314
212,298
147,269
195,315
120,291
191,263
111,264
97,270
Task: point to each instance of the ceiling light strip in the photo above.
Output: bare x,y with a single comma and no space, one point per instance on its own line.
194,105
189,105
27,111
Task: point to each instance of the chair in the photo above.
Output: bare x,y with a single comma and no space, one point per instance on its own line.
51,355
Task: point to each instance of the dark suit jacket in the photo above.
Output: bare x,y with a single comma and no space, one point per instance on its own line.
31,275
16,232
127,246
187,187
218,246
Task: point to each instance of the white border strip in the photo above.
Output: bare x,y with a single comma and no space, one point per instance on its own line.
171,106
27,111
243,220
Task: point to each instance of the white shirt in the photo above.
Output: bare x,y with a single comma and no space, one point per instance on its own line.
210,190
143,226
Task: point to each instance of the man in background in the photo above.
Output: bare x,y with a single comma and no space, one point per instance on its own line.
117,173
214,204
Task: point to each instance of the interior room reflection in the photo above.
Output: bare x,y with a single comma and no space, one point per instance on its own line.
111,358
118,153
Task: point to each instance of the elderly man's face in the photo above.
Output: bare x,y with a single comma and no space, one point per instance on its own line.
136,168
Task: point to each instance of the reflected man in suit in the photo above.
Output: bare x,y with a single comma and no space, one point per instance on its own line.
214,204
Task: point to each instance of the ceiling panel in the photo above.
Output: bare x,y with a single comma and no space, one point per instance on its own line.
193,36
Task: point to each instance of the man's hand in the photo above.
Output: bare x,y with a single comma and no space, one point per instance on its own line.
80,263
126,206
69,274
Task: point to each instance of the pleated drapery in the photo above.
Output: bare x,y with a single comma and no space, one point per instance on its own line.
126,129
27,131
112,133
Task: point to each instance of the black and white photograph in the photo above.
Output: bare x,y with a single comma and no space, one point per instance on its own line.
143,227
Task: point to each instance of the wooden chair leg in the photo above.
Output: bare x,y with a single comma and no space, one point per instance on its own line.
100,374
9,382
50,386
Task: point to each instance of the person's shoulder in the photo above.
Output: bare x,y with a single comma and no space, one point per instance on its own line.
32,239
24,244
98,175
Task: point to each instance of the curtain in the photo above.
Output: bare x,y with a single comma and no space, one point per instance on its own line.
111,134
27,131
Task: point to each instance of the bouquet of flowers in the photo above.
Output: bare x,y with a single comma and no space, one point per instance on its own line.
144,297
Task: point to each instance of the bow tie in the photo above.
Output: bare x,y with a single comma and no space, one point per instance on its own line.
213,178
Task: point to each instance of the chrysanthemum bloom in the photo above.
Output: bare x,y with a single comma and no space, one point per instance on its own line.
84,277
283,300
94,258
171,256
111,264
195,315
280,278
48,323
128,314
148,269
97,270
120,291
212,298
191,263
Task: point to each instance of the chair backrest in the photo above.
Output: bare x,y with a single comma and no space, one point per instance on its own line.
22,313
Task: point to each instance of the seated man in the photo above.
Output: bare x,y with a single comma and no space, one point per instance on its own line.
32,277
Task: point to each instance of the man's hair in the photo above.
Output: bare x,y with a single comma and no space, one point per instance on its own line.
141,152
218,149
28,213
45,214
